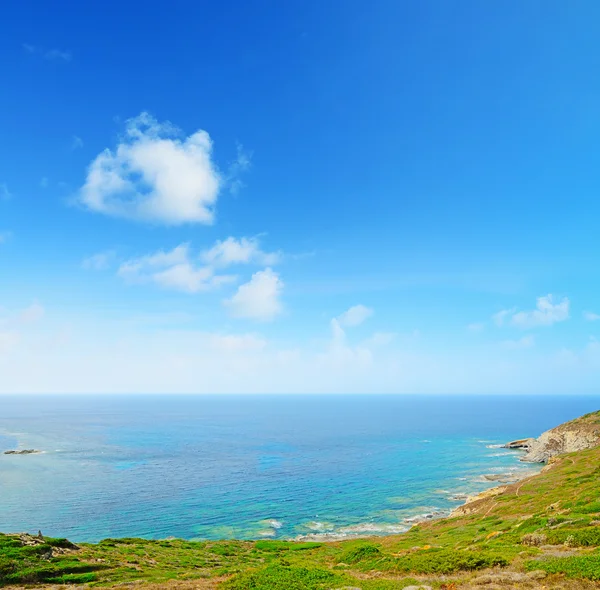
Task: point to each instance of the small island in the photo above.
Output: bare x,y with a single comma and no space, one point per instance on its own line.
23,452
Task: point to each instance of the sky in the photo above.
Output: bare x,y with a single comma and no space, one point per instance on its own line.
330,196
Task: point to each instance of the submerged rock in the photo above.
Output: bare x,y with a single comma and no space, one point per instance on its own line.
578,435
23,452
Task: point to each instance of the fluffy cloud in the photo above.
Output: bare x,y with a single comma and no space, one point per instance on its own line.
548,311
174,269
590,316
355,316
259,299
519,344
502,316
180,270
242,251
31,314
155,176
100,261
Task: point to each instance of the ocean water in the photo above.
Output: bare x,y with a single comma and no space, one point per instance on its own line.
246,467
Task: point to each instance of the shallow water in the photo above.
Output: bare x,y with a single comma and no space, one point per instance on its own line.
255,466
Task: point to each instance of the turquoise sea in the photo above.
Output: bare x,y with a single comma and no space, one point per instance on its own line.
256,466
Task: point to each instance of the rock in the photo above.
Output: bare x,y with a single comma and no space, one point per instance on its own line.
537,575
23,452
578,435
523,443
504,578
502,477
472,503
413,587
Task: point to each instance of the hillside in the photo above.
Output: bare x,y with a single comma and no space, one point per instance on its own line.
542,532
576,435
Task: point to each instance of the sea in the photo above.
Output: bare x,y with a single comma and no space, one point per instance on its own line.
257,467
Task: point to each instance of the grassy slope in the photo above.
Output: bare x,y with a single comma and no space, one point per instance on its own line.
549,522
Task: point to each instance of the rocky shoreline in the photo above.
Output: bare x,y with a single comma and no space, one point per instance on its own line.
577,435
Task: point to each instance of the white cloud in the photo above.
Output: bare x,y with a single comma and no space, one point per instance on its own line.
180,270
355,316
100,261
44,182
243,251
174,269
547,312
49,54
31,314
75,354
259,299
590,316
5,194
58,55
380,339
476,327
5,236
237,167
500,318
519,344
153,176
76,142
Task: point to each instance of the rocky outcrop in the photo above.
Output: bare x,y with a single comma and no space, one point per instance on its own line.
578,435
473,503
23,452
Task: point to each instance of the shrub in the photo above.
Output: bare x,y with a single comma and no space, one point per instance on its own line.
584,537
362,552
278,577
587,566
534,539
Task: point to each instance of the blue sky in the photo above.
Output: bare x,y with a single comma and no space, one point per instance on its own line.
331,196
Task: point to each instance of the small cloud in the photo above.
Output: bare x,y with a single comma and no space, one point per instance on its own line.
547,312
259,299
500,318
521,343
58,55
5,194
242,163
173,270
76,142
44,182
380,340
476,327
179,268
49,54
354,316
100,261
239,251
590,316
5,236
32,314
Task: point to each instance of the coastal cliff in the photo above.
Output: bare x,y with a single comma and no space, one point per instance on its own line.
577,435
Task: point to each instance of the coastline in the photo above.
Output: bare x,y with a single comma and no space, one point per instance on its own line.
508,478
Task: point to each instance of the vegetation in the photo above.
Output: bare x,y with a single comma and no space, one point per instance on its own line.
548,525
